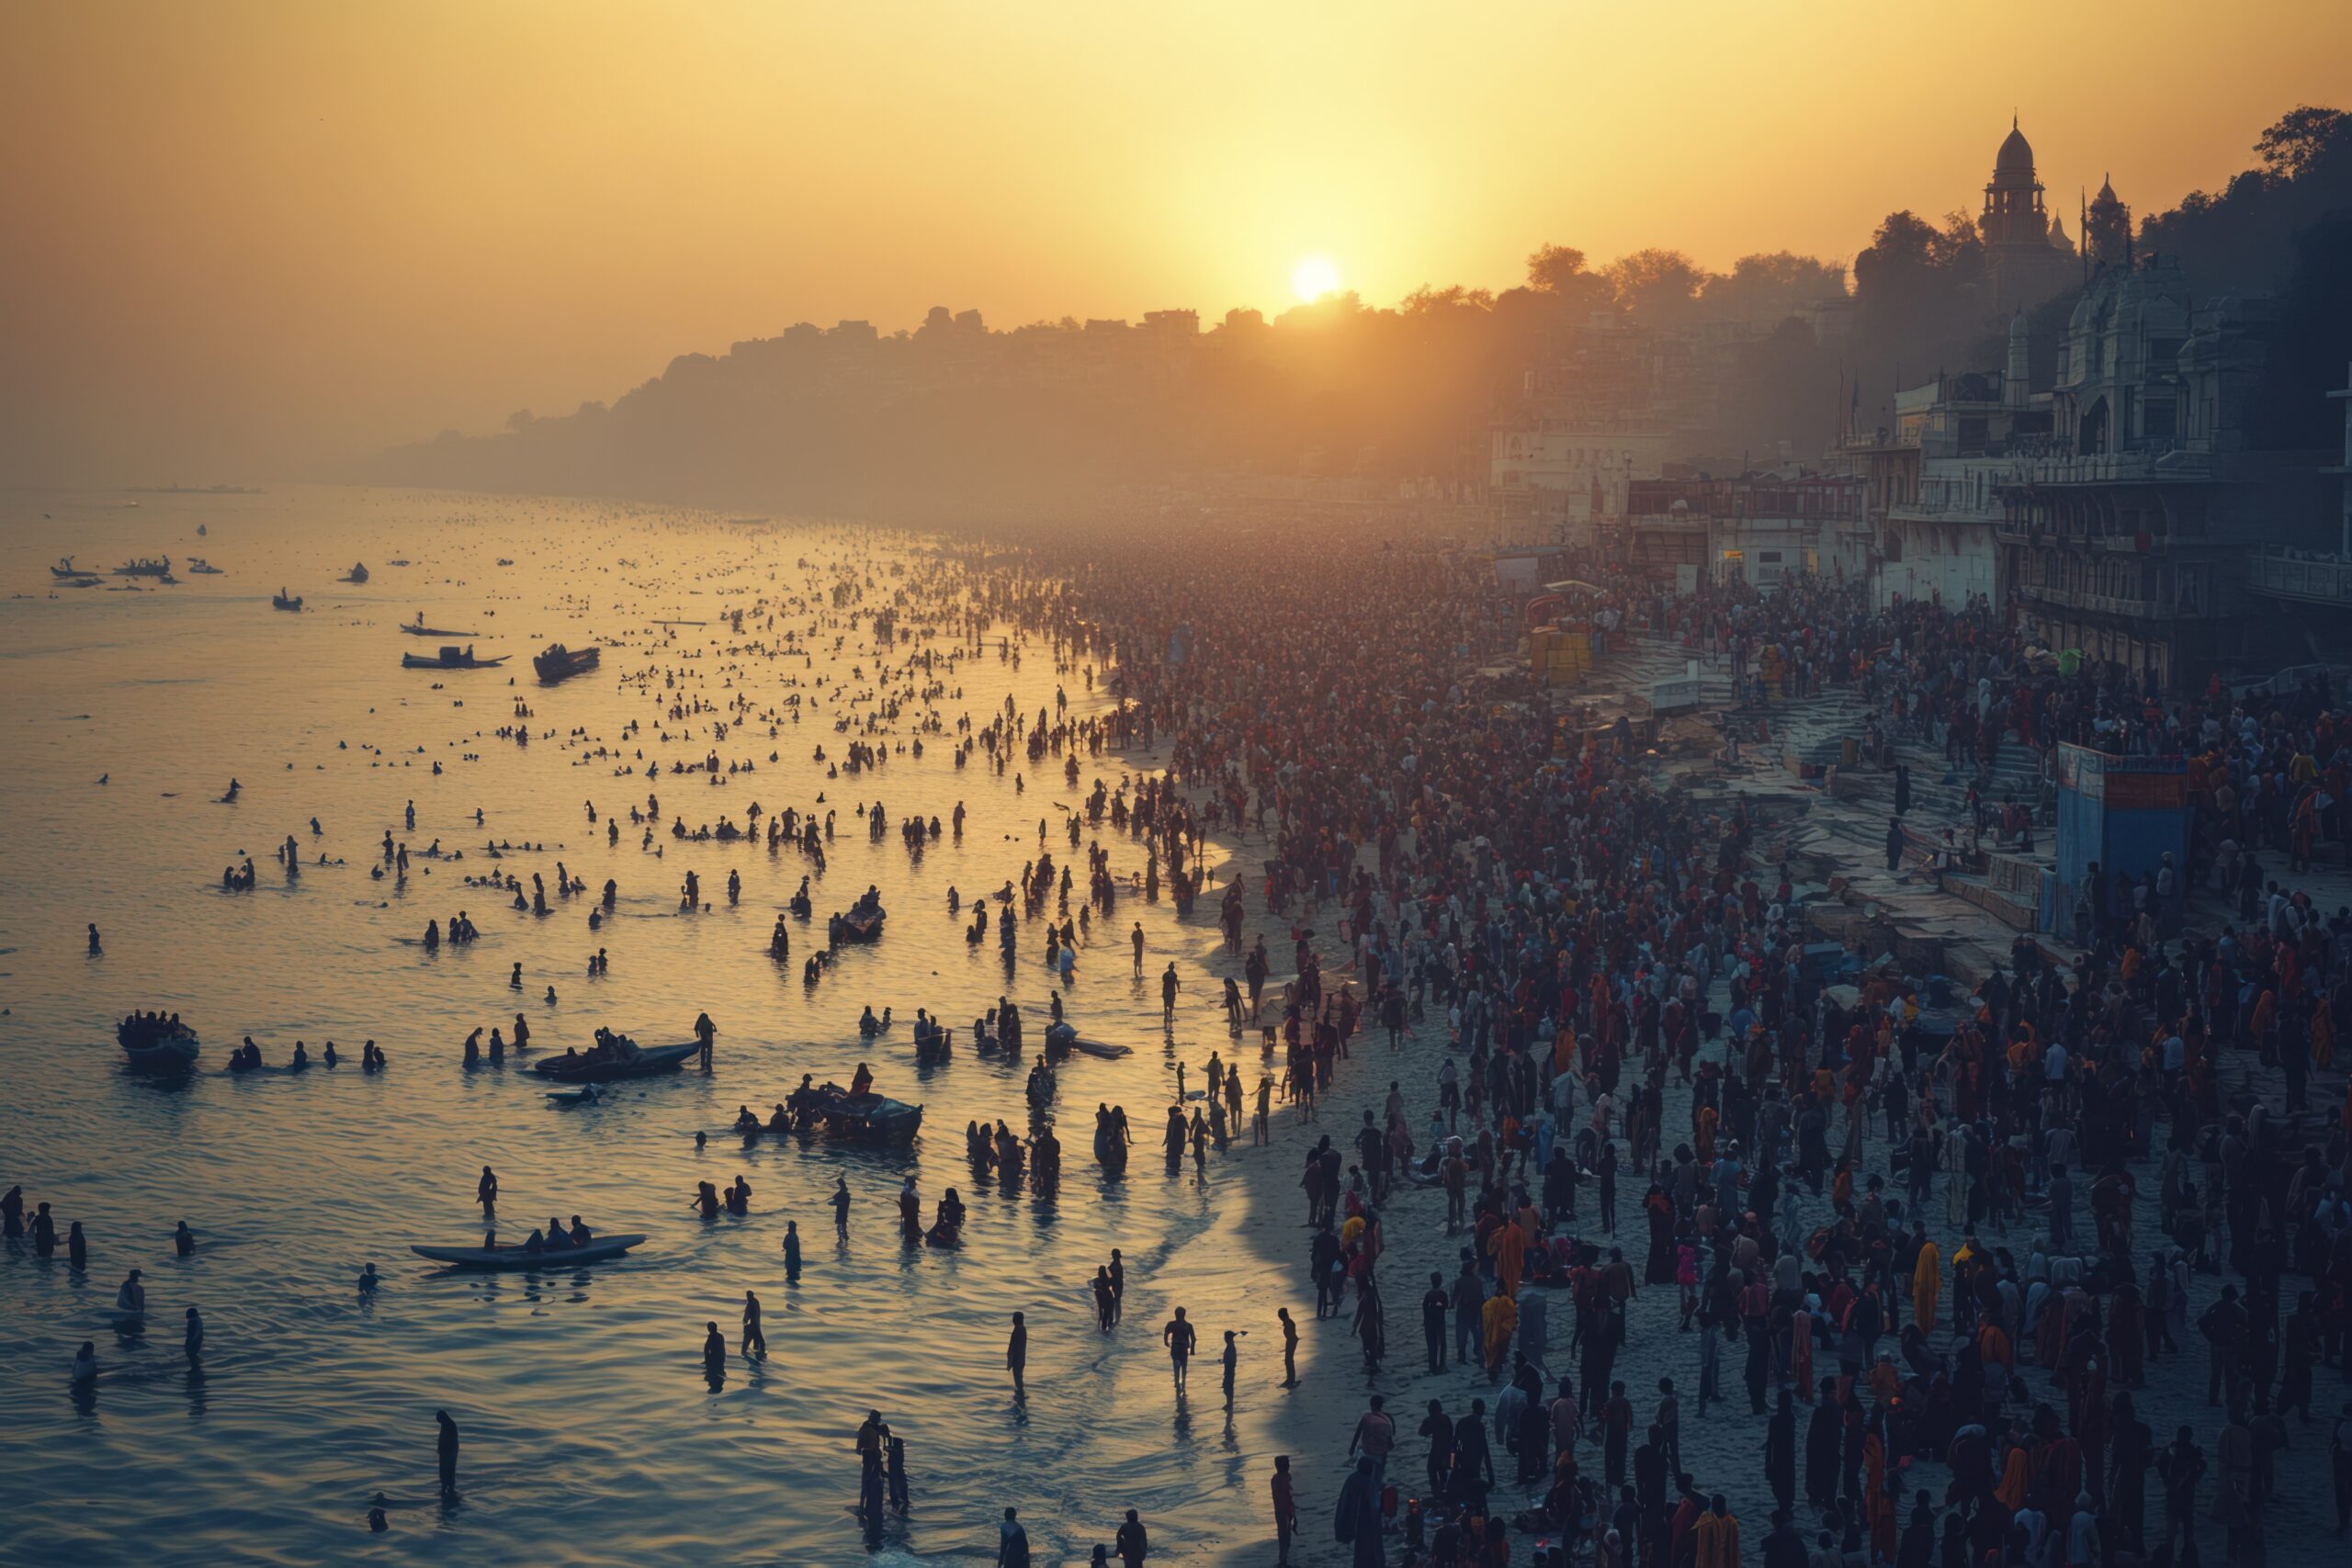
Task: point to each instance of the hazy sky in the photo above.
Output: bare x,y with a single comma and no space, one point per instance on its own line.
235,238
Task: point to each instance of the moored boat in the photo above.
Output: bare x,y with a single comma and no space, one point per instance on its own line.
198,567
599,1249
283,601
559,661
451,658
358,573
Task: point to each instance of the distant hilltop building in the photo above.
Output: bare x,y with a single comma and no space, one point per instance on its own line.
2027,257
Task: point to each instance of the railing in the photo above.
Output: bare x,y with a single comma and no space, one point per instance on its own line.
2099,603
2164,460
2325,579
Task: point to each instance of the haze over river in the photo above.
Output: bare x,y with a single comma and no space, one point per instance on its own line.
590,1433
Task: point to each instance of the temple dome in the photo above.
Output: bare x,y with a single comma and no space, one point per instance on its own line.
2015,157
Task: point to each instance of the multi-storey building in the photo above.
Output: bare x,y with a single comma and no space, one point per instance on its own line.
2130,540
1759,528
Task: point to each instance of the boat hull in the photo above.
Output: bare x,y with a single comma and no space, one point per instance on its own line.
602,1250
553,666
651,1062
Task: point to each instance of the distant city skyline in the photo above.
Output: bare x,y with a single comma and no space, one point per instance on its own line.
253,237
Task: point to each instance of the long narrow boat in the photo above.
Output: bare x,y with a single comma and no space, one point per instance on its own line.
648,1062
418,628
600,1249
451,659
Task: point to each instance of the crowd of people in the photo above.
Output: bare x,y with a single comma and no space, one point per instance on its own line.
1837,1212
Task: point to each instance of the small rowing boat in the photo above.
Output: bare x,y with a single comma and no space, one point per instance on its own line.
559,663
599,1249
153,1045
285,602
620,1058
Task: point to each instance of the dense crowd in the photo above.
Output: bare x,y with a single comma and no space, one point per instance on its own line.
1836,1212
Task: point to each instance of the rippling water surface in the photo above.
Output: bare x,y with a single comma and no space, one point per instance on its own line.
590,1433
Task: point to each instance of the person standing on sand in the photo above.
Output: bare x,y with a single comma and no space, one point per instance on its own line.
1290,1348
1178,1336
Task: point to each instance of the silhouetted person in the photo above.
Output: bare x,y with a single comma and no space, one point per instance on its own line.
446,1445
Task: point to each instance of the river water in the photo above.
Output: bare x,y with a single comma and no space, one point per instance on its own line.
591,1434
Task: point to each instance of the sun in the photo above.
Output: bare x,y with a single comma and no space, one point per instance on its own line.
1314,277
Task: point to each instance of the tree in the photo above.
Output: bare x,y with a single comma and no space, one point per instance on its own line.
1430,301
1657,286
1767,288
1554,269
2302,137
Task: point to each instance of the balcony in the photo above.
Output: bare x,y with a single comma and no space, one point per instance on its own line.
1956,512
2313,579
2130,609
2105,543
2152,460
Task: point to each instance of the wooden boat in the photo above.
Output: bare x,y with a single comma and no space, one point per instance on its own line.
451,659
82,582
600,1249
643,1062
418,628
559,661
142,567
198,567
280,601
156,1045
858,925
873,1119
65,568
358,573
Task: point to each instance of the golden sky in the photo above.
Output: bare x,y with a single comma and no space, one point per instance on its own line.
239,237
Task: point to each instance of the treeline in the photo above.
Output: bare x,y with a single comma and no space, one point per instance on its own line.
955,416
